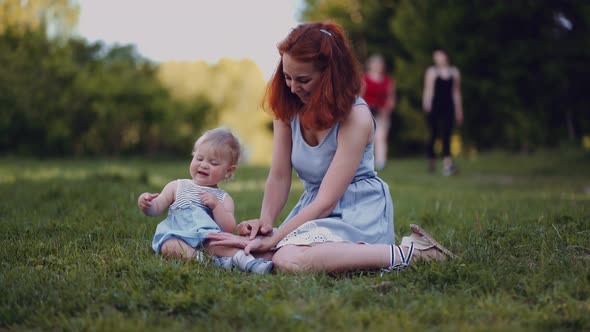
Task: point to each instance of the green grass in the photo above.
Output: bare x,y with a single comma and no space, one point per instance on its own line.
75,253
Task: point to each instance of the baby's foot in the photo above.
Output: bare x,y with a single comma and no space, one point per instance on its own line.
260,266
223,262
248,263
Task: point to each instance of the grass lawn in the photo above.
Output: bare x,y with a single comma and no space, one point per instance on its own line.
75,253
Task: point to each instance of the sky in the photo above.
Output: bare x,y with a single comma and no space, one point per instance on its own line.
193,30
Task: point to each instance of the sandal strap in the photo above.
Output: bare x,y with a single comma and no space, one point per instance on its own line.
410,253
404,261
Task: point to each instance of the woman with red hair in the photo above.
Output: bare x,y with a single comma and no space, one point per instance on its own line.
323,130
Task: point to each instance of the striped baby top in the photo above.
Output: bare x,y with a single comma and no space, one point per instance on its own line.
188,193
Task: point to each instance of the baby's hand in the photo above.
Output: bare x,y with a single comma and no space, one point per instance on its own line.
209,200
145,200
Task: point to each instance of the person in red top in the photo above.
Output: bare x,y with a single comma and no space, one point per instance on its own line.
378,91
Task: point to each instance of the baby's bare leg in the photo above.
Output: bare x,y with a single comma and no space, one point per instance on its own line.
229,251
221,251
176,248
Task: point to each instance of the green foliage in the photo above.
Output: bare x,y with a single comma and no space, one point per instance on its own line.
56,17
75,253
524,63
78,98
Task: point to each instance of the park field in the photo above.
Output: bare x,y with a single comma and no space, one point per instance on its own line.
75,253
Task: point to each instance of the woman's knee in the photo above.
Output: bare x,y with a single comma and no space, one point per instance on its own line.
291,259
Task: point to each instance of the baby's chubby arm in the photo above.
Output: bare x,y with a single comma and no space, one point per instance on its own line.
155,204
223,213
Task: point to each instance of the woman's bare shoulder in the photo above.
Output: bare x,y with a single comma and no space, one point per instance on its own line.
430,72
359,118
359,112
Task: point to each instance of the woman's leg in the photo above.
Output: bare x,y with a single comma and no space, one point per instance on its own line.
432,125
333,257
381,133
343,256
447,130
448,123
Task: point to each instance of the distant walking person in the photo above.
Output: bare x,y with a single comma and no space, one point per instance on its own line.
379,92
442,103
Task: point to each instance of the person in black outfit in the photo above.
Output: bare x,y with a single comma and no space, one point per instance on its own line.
443,105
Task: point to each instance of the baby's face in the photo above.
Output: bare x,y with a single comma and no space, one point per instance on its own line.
208,167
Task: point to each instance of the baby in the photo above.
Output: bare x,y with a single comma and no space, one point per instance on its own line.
197,206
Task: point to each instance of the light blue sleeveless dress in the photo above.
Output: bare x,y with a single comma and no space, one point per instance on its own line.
188,218
364,214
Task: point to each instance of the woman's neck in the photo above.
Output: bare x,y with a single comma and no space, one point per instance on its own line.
375,75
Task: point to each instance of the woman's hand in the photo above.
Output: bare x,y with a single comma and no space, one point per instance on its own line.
260,244
254,227
227,239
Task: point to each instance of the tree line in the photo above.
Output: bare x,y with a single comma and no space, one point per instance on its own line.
524,66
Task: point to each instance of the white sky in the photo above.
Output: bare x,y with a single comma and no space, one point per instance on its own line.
192,30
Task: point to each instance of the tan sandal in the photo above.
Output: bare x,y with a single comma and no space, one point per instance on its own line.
426,242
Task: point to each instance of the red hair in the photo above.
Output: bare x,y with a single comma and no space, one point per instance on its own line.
326,46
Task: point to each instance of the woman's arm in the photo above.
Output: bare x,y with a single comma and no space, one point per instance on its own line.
223,213
391,98
278,183
428,92
353,136
363,86
155,204
457,98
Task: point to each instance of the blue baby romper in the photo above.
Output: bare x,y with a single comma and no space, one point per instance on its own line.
364,214
188,219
